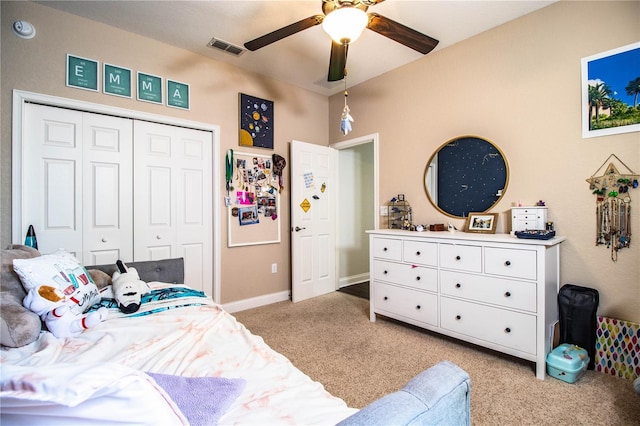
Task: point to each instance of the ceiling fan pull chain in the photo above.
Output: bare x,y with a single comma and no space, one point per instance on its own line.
346,119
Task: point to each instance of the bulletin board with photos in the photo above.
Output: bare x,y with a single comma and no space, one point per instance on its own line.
253,203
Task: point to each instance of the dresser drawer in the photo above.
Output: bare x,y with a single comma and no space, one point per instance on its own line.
498,291
505,328
525,224
418,277
510,262
461,257
387,248
420,253
405,302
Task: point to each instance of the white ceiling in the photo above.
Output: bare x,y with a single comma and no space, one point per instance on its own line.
303,58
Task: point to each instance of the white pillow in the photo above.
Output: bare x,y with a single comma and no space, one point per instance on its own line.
81,394
62,271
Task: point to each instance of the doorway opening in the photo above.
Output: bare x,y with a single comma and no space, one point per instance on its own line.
357,208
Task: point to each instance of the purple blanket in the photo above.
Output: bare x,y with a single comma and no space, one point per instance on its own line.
202,400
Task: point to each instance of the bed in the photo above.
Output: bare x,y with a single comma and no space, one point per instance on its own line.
175,361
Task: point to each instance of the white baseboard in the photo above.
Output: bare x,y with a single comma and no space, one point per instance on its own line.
353,279
256,302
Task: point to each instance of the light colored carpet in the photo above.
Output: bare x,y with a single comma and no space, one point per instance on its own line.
331,339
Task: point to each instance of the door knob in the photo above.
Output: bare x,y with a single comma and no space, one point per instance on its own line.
298,229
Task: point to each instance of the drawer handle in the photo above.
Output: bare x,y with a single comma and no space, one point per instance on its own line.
385,298
507,330
508,263
418,307
458,285
418,278
384,249
507,294
385,272
458,317
418,253
458,258
104,240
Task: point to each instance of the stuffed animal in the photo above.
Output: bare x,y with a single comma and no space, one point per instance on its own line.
18,325
60,291
128,288
63,319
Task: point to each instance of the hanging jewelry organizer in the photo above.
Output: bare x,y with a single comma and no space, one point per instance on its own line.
613,205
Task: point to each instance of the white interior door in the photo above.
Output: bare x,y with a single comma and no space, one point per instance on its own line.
172,198
313,214
77,183
107,190
51,178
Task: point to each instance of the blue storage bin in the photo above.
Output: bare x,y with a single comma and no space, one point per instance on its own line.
567,362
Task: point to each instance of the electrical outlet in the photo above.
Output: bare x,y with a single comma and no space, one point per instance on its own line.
384,210
274,268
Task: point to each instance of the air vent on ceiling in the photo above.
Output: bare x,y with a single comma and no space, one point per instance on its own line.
225,46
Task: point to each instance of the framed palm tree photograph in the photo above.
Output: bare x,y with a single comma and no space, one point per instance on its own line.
611,92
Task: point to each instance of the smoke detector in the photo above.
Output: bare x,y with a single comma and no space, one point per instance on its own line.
24,29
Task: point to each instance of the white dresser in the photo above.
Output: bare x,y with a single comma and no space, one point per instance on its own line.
493,290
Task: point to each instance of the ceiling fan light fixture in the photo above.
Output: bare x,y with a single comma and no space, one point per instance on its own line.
345,25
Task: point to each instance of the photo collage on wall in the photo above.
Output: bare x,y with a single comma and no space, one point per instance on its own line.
256,190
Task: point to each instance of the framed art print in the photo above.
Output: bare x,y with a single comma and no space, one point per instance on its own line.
611,91
256,122
484,223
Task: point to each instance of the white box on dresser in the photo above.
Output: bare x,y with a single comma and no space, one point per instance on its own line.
523,218
493,290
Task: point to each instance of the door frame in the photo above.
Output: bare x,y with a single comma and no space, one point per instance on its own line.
21,97
373,138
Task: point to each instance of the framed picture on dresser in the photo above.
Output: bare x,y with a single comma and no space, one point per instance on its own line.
484,223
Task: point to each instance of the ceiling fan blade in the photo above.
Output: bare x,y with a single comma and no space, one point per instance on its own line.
337,61
283,32
401,33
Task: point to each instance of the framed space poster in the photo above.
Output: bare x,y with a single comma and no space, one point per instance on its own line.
256,122
611,92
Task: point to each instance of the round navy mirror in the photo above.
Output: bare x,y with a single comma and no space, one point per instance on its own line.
466,174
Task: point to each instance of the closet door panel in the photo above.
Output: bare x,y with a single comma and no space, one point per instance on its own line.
154,191
172,198
194,215
107,200
51,177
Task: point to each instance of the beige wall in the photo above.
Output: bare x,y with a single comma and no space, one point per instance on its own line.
38,65
519,86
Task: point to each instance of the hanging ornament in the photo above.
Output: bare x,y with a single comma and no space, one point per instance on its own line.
346,119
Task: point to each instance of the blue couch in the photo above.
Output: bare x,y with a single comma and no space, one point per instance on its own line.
437,396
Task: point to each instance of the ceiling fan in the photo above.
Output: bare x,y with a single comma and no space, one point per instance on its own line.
349,17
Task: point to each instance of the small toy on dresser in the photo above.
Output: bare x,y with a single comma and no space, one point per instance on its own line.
128,288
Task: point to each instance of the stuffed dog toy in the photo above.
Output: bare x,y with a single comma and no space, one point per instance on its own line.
128,288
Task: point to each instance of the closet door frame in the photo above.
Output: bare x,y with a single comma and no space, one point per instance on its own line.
20,98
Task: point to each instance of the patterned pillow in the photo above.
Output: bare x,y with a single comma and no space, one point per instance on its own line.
62,271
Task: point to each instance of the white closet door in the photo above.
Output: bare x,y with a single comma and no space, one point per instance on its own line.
172,198
107,199
52,177
77,183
